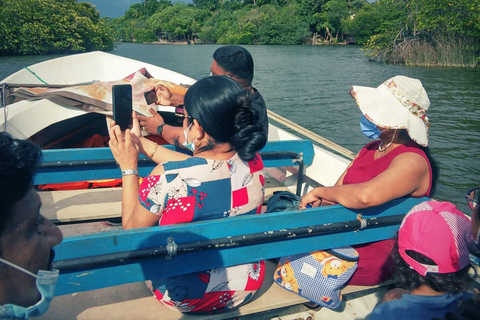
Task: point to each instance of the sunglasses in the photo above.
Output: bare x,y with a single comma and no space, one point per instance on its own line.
472,198
180,113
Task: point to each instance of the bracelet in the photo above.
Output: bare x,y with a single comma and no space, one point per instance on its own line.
156,147
129,172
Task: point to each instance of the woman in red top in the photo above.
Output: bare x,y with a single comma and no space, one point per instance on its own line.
398,165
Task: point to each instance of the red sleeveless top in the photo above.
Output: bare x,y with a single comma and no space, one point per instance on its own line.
375,264
365,167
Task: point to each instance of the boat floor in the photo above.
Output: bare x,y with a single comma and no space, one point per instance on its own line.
134,300
130,301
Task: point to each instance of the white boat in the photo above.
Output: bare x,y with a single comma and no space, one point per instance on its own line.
41,119
99,66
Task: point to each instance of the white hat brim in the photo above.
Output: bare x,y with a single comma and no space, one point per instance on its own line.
385,110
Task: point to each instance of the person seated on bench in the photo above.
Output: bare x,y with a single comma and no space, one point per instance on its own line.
223,178
432,258
27,283
397,165
235,62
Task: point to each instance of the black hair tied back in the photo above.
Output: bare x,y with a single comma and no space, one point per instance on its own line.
248,137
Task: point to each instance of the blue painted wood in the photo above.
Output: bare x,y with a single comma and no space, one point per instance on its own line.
68,173
139,270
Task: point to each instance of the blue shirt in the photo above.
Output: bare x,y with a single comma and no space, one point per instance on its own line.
417,307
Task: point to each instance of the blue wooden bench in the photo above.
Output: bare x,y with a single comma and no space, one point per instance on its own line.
70,165
102,260
107,259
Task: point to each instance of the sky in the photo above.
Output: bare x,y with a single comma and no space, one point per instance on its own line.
112,8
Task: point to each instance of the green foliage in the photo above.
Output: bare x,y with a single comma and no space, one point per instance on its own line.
390,30
51,26
179,21
423,32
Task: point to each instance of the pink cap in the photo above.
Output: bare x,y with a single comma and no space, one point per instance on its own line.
439,231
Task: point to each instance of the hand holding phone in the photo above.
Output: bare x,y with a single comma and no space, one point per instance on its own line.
122,105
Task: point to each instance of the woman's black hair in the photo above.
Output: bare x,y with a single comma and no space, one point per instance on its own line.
223,109
18,162
408,278
403,134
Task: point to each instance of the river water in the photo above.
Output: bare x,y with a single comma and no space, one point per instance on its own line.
309,85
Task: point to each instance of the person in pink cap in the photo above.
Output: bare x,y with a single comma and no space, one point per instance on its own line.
397,164
432,259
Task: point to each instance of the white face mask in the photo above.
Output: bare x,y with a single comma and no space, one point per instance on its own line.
46,283
190,146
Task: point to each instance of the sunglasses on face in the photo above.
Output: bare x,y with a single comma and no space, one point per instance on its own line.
472,198
180,113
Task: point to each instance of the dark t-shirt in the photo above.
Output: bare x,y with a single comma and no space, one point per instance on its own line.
259,104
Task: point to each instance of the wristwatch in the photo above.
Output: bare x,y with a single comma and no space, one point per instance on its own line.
160,128
129,172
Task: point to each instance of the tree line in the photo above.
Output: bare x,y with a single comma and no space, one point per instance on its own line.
51,26
390,30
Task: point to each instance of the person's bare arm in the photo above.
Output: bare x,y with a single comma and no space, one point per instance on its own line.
173,135
150,124
151,149
160,154
408,174
125,149
166,98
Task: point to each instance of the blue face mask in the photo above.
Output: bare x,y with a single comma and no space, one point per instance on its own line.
369,129
46,283
190,146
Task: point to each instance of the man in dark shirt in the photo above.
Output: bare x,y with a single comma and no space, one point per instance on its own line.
232,61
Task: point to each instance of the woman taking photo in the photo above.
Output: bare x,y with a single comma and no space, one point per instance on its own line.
397,165
223,178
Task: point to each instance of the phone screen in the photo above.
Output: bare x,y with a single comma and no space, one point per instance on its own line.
150,96
122,105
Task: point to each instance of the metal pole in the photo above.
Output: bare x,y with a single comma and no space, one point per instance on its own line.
241,240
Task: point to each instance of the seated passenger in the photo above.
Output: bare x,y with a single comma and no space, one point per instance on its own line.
432,258
397,165
223,178
233,61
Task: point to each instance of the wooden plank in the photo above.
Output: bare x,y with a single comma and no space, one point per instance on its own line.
98,163
157,237
77,205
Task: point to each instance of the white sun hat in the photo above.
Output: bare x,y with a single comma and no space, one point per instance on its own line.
398,103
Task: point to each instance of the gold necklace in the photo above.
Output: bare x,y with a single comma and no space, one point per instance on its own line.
382,147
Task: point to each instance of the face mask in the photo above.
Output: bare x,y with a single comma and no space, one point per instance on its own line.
369,129
46,283
190,146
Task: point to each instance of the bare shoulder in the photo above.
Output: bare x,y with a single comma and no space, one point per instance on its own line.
410,159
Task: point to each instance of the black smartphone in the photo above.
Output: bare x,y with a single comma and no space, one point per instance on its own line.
122,105
150,96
